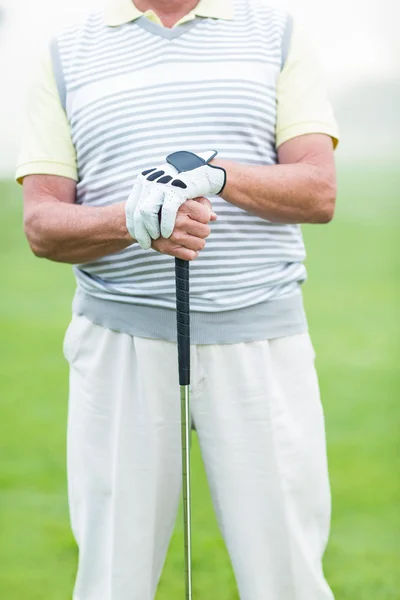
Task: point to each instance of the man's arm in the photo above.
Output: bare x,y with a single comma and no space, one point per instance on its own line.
301,189
62,231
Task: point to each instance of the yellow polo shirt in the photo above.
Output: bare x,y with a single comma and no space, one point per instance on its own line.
302,103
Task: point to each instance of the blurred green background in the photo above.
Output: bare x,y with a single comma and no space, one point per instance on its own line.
352,301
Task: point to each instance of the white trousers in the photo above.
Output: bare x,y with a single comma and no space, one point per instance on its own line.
258,416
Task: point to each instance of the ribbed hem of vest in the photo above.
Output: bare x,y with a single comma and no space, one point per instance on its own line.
268,320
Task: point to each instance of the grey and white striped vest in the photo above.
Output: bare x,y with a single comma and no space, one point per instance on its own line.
134,94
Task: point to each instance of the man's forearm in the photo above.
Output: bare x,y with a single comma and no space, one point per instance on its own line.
288,193
71,233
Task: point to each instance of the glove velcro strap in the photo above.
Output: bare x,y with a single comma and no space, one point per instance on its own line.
187,161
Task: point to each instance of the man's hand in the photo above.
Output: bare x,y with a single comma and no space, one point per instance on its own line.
190,232
161,192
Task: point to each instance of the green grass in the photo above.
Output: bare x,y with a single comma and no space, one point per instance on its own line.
352,306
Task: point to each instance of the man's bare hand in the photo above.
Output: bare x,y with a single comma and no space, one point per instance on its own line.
191,230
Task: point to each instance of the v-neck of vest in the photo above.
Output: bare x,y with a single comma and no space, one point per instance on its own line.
165,32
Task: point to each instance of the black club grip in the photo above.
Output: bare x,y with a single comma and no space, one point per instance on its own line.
183,319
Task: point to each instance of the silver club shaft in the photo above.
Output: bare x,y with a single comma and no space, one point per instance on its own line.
186,488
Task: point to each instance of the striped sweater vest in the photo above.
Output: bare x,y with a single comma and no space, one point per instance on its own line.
137,92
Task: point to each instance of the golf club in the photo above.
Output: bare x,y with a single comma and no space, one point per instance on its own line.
183,325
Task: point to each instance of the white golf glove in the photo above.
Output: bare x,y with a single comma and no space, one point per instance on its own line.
184,176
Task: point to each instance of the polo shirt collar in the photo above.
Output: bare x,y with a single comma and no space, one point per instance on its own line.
119,12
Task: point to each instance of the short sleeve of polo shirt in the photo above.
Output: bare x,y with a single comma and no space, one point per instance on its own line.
47,147
302,103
